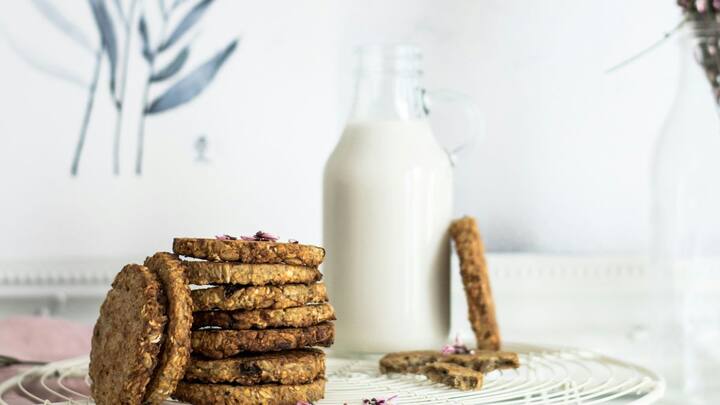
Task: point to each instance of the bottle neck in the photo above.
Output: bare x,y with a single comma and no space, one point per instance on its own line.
388,84
383,96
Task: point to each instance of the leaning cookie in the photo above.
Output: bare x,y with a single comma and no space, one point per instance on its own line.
206,273
290,367
266,394
218,344
249,251
475,277
229,298
127,337
176,347
295,317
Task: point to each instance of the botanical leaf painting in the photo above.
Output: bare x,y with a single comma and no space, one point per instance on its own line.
114,21
191,85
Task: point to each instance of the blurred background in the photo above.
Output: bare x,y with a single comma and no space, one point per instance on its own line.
96,174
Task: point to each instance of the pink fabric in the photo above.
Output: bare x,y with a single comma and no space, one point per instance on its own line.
40,339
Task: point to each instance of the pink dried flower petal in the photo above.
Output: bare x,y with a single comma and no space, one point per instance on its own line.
265,236
225,237
462,350
701,5
296,241
448,349
458,347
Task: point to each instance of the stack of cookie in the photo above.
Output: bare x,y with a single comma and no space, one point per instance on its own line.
259,312
251,337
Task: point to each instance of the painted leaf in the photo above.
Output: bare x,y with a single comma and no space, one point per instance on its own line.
40,61
192,17
66,26
119,9
172,67
145,37
176,4
107,34
191,85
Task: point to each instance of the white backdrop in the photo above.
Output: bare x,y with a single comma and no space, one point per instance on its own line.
564,167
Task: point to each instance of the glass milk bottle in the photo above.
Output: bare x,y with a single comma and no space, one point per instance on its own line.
388,189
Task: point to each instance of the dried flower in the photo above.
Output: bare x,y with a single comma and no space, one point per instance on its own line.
225,237
294,241
260,236
701,5
704,17
379,401
458,347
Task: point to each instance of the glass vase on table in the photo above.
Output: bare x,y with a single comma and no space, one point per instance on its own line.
686,219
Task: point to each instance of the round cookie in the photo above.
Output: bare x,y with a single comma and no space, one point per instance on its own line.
228,298
287,368
204,273
267,394
295,317
218,344
127,337
249,251
175,351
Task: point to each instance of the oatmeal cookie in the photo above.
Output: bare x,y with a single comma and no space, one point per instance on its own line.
476,279
204,273
290,367
175,351
295,317
218,344
229,298
482,361
127,337
249,251
462,378
266,394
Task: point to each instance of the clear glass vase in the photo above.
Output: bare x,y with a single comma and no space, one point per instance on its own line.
686,221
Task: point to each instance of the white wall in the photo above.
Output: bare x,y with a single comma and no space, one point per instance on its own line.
564,167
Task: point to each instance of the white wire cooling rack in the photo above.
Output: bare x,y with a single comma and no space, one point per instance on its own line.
547,376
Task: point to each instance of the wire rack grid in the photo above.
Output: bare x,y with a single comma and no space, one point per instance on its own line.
547,376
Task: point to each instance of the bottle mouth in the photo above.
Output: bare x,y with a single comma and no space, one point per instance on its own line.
383,58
